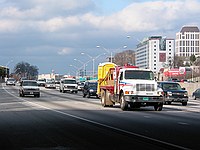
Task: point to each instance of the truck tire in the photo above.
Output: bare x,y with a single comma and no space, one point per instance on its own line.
103,98
158,106
123,103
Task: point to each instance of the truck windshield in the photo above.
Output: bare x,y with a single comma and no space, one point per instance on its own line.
139,74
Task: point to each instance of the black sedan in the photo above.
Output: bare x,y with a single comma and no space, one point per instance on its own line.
90,89
196,93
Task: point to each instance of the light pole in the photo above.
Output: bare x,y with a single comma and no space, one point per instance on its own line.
84,65
128,36
17,72
7,72
93,59
111,53
76,74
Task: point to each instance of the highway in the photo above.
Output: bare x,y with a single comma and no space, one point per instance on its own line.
68,121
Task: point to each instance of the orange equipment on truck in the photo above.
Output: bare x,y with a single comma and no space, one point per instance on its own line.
129,86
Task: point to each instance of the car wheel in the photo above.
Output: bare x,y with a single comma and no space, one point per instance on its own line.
84,95
195,98
184,103
88,95
37,95
169,103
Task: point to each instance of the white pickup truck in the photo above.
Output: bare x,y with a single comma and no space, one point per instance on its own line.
68,85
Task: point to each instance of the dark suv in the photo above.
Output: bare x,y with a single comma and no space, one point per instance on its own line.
90,89
173,92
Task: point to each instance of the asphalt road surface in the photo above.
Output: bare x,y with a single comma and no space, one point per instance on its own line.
68,121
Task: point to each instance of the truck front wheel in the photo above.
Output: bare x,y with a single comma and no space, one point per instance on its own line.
103,98
123,103
158,106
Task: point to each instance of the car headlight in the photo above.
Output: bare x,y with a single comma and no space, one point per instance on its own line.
186,94
169,93
91,90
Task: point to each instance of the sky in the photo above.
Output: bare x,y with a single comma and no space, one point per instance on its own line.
63,35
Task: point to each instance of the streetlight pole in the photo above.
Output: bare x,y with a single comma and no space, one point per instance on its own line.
84,66
111,53
76,69
93,59
106,51
7,72
128,36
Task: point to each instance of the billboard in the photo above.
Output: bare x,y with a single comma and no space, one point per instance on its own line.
162,57
175,72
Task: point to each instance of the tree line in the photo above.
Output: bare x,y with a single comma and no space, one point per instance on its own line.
25,70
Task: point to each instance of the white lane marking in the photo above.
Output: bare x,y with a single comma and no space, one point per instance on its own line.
98,123
147,117
183,123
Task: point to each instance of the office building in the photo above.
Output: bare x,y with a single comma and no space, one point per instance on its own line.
155,53
187,41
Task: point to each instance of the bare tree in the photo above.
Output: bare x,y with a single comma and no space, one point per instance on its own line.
125,57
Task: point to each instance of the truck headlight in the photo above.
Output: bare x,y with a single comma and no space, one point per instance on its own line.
129,92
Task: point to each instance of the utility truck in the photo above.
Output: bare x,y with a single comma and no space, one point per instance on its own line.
129,86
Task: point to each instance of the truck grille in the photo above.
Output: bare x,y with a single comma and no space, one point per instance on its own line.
145,87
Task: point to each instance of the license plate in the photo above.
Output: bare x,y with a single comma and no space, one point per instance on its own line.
31,92
145,98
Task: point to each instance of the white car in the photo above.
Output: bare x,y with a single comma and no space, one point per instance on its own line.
68,85
41,82
10,81
80,86
29,87
50,84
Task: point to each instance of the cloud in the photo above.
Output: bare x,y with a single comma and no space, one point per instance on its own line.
151,16
64,51
137,17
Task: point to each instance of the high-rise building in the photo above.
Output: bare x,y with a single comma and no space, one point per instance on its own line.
187,41
155,53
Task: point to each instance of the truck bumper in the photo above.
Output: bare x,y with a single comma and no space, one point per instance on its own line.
70,90
144,99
